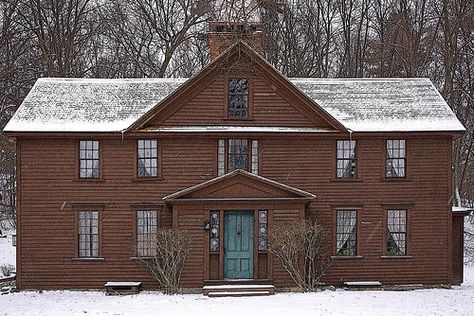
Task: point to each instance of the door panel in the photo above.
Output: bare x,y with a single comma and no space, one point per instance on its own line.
238,245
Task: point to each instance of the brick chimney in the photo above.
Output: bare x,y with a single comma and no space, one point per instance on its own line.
223,34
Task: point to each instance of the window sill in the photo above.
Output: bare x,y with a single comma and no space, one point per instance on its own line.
88,180
88,259
139,258
394,179
346,257
346,180
396,257
238,118
144,179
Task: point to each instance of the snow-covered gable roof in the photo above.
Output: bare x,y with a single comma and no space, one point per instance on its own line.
88,105
112,105
381,105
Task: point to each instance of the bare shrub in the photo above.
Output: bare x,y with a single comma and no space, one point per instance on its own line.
7,269
303,251
166,265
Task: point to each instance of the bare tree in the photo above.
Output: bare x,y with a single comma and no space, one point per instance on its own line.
147,33
302,248
171,247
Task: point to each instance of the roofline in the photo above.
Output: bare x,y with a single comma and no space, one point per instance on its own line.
232,174
316,108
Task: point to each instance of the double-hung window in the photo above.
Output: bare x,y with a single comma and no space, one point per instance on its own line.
346,233
146,233
237,154
89,166
396,232
88,234
346,159
147,158
396,158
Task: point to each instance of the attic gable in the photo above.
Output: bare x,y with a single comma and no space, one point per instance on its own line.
238,59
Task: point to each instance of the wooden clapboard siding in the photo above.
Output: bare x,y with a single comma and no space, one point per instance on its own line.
267,108
49,189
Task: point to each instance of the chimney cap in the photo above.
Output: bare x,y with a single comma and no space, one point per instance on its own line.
235,27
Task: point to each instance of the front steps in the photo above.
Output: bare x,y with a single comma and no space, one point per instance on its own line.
238,290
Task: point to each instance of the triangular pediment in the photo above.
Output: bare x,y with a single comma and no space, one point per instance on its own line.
192,98
240,185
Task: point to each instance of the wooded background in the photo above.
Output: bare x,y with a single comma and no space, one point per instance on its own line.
302,38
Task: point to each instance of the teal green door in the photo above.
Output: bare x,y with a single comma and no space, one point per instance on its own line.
238,245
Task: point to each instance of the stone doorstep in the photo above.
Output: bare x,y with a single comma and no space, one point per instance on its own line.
238,290
238,294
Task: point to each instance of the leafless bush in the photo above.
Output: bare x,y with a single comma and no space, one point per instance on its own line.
172,246
7,269
302,249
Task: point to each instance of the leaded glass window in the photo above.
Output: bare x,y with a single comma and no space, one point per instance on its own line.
89,159
146,233
214,232
396,158
255,157
221,157
88,234
346,233
235,154
238,155
346,161
396,232
262,230
147,158
238,98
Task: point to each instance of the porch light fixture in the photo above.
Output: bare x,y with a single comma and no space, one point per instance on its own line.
206,225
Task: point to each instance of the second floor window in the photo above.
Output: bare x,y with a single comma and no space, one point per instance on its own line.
236,154
396,158
238,98
147,158
346,160
89,166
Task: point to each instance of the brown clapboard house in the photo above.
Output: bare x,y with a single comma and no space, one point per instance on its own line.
226,155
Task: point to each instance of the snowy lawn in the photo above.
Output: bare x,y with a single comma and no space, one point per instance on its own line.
7,251
457,301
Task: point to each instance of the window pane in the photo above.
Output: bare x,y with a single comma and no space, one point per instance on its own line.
346,161
88,234
214,231
238,98
396,158
346,233
255,157
89,166
238,154
147,161
146,232
396,232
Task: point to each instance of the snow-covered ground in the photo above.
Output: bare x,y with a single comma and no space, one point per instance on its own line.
7,251
456,301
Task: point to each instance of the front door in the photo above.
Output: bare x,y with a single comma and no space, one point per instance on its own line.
238,245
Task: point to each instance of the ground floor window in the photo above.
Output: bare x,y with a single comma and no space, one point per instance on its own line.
346,233
396,232
88,234
146,233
